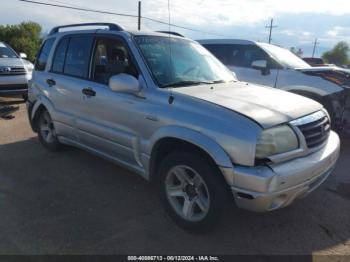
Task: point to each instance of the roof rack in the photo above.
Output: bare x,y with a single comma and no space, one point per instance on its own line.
170,33
112,27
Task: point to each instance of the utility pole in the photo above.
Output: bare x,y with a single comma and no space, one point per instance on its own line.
139,17
315,44
270,27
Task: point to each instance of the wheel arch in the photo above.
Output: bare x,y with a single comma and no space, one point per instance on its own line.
175,138
40,105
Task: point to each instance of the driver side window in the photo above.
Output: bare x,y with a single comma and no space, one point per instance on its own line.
111,58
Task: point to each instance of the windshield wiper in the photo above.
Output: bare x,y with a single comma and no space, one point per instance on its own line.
219,81
187,83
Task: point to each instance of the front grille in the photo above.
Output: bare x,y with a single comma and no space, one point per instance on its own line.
10,71
5,88
315,128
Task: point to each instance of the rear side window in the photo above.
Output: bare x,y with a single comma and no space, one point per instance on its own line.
60,54
78,56
44,53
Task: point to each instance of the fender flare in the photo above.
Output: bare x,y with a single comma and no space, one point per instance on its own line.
41,101
211,147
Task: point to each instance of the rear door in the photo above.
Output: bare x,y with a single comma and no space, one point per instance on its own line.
67,78
239,58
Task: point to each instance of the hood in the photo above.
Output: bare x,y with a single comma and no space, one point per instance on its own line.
11,62
266,106
334,74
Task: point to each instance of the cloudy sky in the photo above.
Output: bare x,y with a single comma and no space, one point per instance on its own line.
299,21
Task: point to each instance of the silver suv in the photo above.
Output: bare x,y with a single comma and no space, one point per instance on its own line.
15,72
165,108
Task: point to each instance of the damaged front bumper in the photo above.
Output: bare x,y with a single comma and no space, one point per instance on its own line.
266,188
340,106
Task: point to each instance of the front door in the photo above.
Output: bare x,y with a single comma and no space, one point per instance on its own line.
111,120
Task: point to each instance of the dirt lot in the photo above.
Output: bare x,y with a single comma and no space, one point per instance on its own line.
72,202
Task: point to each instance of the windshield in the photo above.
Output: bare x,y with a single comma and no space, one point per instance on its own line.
284,56
6,52
180,62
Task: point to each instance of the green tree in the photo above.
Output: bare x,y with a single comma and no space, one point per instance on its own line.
338,55
23,38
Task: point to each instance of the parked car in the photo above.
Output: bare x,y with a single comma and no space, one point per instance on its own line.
15,72
273,66
180,120
314,61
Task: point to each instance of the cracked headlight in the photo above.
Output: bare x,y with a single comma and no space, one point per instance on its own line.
276,140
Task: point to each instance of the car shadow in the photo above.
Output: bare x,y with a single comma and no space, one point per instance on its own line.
71,202
8,106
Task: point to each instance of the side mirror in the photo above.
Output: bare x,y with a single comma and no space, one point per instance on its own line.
124,83
23,55
259,64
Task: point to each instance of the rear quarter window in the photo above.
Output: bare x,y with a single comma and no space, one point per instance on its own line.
60,54
43,55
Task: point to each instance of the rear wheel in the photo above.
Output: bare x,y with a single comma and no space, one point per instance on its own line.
46,132
192,190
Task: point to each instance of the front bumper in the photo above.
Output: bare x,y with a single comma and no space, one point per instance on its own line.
13,90
267,188
340,110
14,85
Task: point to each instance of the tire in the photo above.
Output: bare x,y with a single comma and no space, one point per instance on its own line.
46,132
187,179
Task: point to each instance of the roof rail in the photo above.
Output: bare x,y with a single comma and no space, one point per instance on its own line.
170,33
112,27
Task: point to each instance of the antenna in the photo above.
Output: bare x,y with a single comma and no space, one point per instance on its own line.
171,97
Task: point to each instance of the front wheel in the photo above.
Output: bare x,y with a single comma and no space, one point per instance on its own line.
192,190
46,132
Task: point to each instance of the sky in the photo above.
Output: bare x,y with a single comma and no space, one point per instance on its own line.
298,22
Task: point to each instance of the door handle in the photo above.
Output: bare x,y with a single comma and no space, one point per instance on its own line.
50,82
88,92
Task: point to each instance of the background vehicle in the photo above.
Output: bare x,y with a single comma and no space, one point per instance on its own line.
181,120
15,72
314,61
277,67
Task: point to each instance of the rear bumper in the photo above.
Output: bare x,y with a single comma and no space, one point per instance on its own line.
267,188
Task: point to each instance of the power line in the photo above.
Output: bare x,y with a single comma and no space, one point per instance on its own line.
77,8
117,14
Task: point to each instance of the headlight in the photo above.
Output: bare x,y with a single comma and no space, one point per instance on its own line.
29,66
276,140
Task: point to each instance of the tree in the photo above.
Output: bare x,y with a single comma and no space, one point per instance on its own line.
23,38
298,52
338,55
